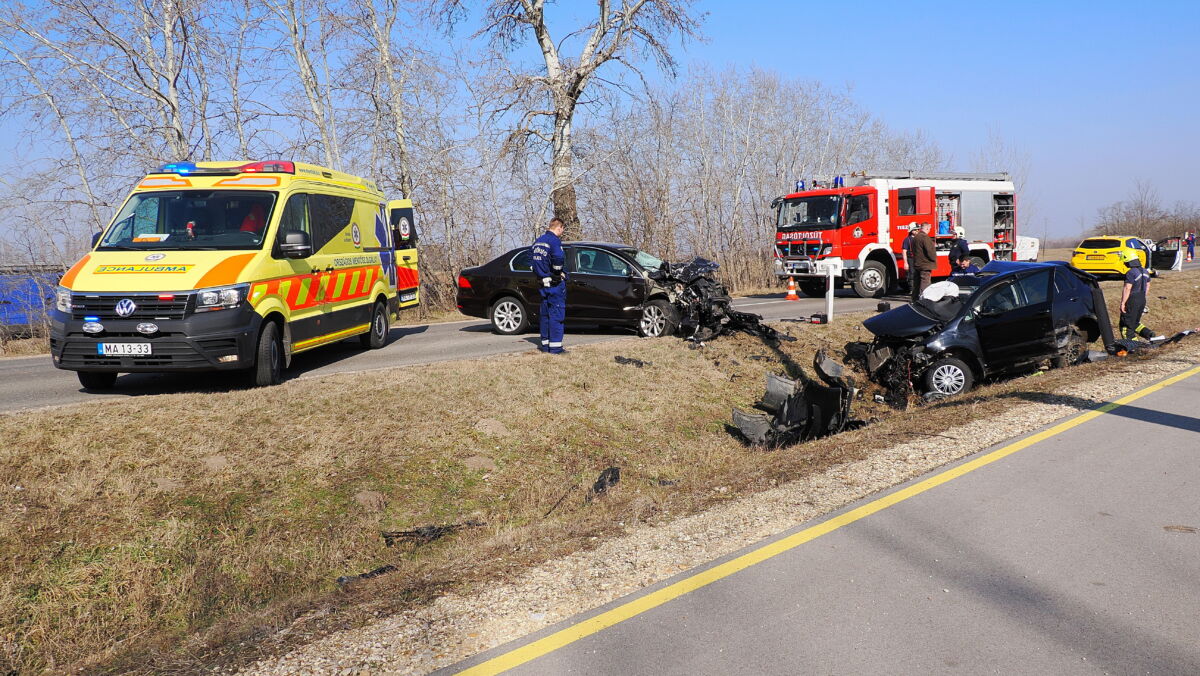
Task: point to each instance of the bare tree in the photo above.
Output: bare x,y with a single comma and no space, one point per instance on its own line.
621,32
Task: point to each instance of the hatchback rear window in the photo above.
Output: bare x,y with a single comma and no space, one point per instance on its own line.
1100,244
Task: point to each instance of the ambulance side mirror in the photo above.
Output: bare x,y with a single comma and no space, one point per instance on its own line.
296,244
95,238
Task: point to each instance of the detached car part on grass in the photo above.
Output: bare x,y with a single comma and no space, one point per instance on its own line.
799,410
1007,319
702,305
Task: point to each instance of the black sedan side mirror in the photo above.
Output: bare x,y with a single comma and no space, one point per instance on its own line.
296,244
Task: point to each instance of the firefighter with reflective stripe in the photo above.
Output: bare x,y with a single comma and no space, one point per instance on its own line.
548,261
1133,298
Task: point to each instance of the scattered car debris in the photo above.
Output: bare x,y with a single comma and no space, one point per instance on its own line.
704,305
608,478
630,361
797,411
883,306
382,570
423,534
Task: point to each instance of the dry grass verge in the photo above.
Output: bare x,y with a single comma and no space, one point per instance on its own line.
24,347
174,532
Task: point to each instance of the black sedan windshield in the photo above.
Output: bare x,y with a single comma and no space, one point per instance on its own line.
191,219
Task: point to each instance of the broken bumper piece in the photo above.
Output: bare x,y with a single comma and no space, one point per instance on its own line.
799,410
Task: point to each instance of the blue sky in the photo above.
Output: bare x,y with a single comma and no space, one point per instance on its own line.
1099,94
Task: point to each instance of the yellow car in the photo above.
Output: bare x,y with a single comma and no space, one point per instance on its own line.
1102,255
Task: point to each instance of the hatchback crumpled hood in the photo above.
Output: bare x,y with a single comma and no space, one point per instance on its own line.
901,322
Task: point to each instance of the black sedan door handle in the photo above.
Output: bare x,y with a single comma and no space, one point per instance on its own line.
1043,313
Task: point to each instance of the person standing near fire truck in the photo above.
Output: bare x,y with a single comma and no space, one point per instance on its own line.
922,259
1191,243
548,260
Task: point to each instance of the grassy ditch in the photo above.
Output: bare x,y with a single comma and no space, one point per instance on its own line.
177,531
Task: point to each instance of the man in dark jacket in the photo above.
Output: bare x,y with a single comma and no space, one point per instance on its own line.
960,249
922,257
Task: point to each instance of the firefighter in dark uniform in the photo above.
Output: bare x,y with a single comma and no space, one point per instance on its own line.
1133,299
548,261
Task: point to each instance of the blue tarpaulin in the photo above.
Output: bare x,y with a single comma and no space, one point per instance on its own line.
26,295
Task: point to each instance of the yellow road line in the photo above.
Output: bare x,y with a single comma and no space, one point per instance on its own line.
625,611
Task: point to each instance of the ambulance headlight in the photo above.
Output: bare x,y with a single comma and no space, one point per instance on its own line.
62,299
220,298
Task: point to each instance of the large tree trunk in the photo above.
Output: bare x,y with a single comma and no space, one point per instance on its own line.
562,191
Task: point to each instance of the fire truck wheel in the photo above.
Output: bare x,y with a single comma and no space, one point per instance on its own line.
659,318
948,376
813,289
978,262
873,281
378,335
509,316
96,381
268,357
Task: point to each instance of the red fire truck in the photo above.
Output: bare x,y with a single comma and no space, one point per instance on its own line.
856,225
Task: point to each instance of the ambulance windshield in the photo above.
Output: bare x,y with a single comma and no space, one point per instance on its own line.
809,213
191,220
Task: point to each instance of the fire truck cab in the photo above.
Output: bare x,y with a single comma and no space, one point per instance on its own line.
855,226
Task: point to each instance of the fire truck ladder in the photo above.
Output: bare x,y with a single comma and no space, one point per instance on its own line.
934,175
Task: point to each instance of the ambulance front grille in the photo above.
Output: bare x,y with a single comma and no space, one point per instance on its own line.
148,306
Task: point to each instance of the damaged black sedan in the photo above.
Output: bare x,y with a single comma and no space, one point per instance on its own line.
611,285
1007,319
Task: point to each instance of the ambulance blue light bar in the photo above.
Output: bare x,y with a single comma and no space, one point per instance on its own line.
178,168
267,167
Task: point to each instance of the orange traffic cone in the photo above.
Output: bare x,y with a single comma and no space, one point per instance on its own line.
792,289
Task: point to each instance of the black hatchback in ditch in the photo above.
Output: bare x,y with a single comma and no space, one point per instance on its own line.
1009,318
607,285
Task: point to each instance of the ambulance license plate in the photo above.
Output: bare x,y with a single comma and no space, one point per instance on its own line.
119,349
1093,257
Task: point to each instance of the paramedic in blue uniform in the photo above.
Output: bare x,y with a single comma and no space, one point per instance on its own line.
548,261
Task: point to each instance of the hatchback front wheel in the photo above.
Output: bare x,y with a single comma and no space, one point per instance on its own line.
948,376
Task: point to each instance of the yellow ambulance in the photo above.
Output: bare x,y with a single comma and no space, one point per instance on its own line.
235,266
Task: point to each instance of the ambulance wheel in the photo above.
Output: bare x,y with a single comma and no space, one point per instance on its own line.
872,281
659,318
378,335
97,381
948,376
509,316
268,357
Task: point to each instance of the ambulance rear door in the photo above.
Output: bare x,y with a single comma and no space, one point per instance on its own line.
404,237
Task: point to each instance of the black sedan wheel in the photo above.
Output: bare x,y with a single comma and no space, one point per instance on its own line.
659,318
948,376
509,316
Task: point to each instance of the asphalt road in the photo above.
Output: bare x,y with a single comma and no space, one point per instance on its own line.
1077,554
33,382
